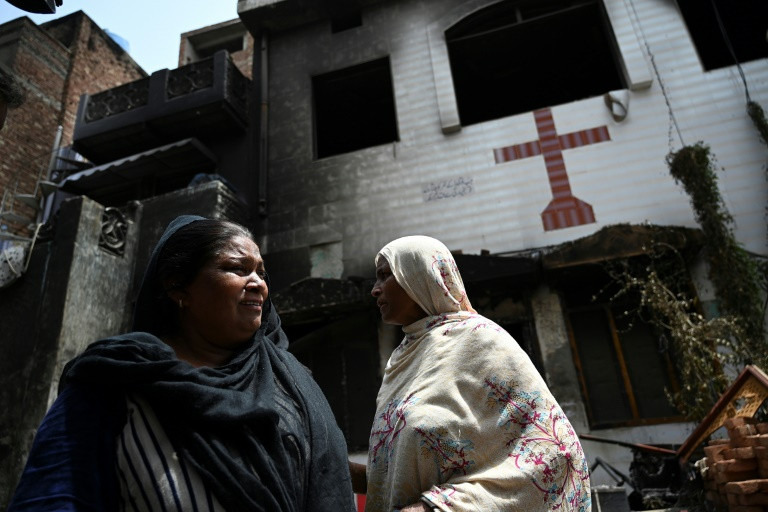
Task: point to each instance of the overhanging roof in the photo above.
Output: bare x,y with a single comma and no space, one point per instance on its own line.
185,157
620,241
277,15
318,299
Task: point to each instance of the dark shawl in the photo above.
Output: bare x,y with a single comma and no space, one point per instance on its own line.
258,430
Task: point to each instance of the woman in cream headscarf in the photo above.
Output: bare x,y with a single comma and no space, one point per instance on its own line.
464,422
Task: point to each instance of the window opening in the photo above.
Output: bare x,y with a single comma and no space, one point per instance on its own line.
726,31
622,362
346,21
354,108
233,45
519,56
343,356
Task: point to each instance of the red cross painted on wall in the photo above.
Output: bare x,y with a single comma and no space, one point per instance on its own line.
564,210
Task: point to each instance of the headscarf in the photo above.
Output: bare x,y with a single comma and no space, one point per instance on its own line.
230,422
147,317
426,270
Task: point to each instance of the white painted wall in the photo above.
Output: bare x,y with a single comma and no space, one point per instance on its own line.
376,193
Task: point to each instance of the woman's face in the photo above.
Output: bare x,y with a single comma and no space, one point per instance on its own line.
395,305
222,307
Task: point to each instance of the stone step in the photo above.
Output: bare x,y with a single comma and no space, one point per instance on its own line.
4,235
47,187
16,218
28,199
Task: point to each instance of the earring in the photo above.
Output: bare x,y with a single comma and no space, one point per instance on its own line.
181,304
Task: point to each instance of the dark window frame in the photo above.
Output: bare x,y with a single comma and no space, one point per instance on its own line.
589,298
232,44
344,21
483,80
354,108
726,32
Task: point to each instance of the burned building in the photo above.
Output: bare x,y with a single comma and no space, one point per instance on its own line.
529,137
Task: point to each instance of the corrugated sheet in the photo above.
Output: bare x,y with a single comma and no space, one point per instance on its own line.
171,158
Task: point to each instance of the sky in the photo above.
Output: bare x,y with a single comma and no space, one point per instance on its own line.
152,28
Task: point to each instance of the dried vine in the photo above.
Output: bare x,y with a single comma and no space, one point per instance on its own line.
699,346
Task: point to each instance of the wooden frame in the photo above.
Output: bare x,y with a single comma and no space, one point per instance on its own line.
632,401
751,386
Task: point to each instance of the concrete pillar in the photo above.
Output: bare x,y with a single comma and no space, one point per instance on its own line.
557,357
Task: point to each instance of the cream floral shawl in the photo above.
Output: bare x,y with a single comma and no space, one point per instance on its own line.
464,421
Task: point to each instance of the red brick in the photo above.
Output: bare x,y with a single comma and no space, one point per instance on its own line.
739,465
741,431
747,486
725,477
762,468
747,452
757,498
761,452
741,442
55,69
738,421
762,428
714,453
746,508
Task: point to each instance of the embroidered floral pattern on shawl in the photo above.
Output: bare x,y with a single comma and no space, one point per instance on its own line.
450,454
392,422
538,436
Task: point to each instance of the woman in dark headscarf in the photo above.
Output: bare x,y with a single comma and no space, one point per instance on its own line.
200,408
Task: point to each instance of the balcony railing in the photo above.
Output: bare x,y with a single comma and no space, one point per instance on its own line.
205,99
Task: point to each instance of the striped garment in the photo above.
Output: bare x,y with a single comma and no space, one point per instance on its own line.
151,474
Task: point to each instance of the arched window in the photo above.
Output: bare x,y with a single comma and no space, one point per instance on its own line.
726,31
518,56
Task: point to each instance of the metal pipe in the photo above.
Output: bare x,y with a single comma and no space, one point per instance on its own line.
263,124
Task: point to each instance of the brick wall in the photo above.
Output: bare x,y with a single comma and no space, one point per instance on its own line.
56,62
243,59
41,64
97,63
736,475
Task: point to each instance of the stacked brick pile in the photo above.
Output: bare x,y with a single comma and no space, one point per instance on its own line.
736,478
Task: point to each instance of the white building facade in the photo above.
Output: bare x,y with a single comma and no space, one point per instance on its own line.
509,128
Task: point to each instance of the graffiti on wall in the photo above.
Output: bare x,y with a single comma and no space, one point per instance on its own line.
446,189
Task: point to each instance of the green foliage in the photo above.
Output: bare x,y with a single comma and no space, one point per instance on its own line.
732,270
757,115
701,347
